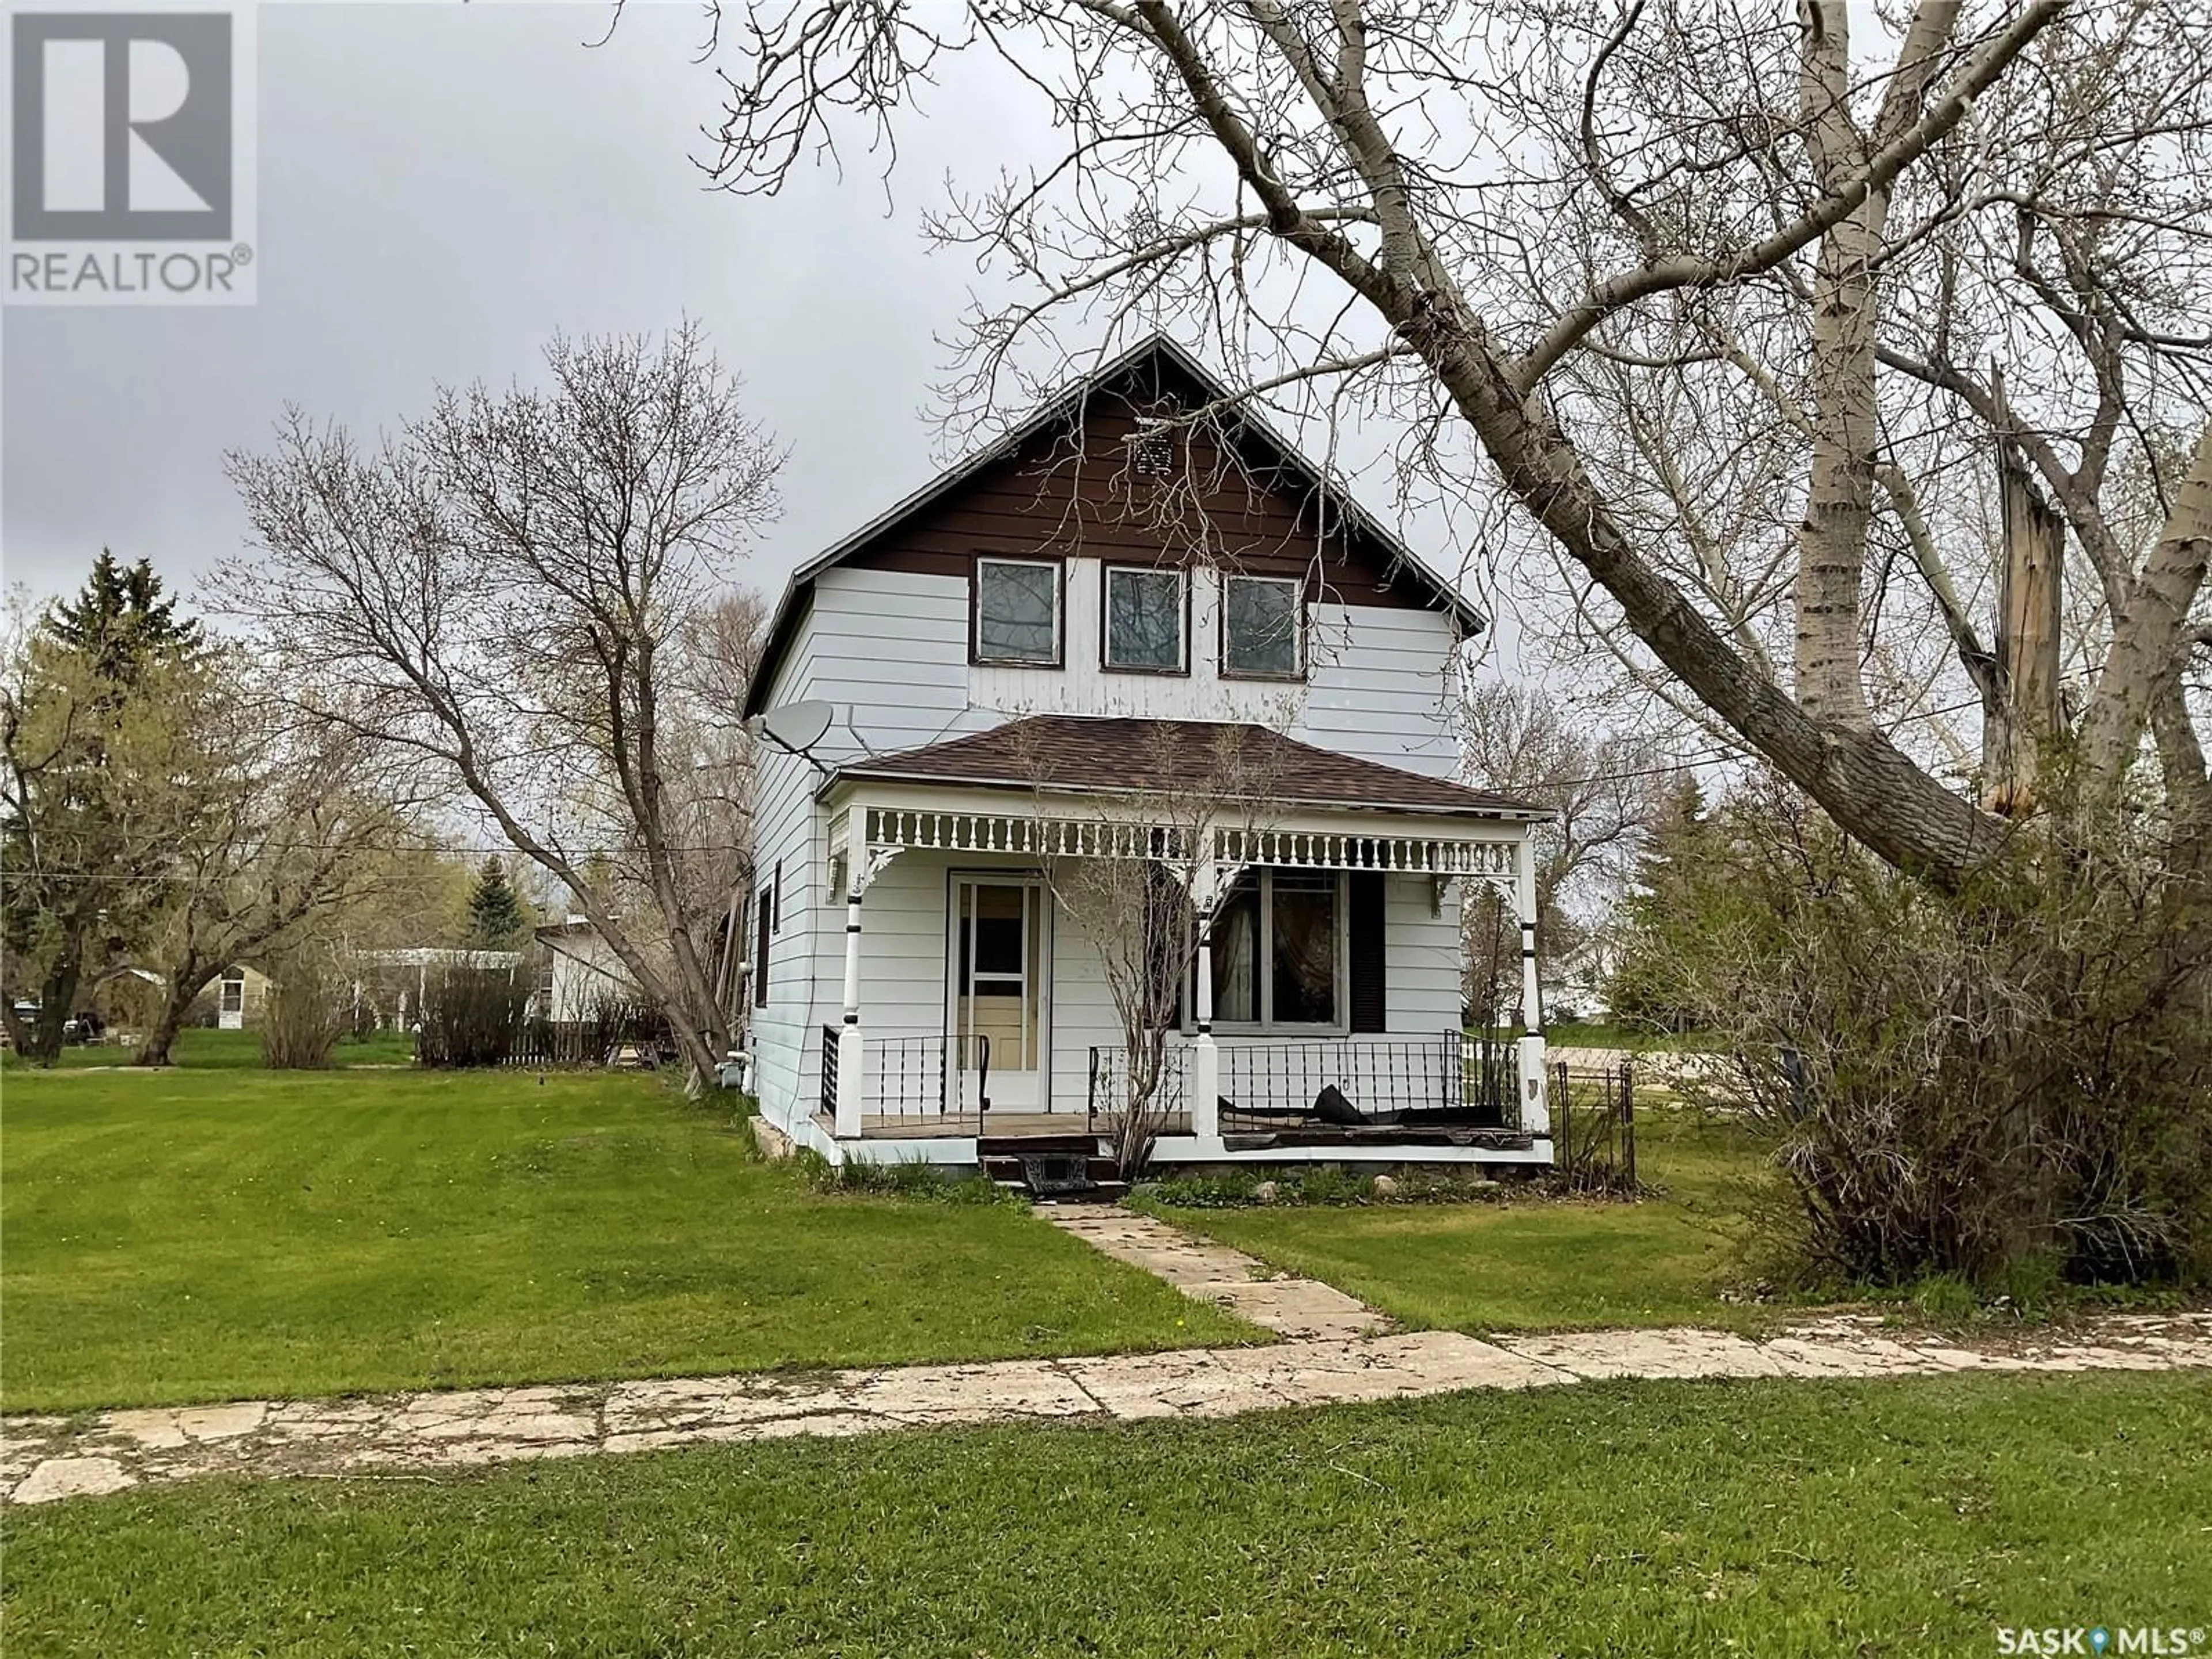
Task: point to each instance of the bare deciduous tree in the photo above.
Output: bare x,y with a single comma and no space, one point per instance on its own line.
1516,232
1141,883
495,595
284,842
1602,787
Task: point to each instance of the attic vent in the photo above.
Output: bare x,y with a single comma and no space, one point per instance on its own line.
1150,454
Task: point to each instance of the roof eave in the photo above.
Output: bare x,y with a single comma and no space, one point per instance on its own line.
1514,812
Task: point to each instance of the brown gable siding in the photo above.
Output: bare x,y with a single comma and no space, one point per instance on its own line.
1033,493
1073,494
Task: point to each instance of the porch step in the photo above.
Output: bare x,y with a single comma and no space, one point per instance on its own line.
1031,1146
1046,1171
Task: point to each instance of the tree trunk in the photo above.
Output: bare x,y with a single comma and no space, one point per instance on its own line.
154,1051
2025,715
56,998
1862,780
1831,541
185,981
2147,634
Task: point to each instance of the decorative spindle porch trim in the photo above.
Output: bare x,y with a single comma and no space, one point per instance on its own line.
891,830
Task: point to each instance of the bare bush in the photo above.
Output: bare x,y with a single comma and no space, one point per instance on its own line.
2015,1079
308,1009
471,1017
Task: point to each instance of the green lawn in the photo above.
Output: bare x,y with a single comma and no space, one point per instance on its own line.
201,1048
1530,1263
194,1236
1771,1518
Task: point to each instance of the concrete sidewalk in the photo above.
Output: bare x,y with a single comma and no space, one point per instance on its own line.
45,1458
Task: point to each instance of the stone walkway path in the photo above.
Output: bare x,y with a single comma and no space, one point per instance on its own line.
416,1436
1302,1308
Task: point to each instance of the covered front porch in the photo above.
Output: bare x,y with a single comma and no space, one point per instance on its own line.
1318,1018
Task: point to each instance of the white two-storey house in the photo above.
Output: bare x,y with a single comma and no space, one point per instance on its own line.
1028,660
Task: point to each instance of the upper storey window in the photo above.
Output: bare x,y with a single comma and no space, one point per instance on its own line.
1017,612
1145,615
1262,627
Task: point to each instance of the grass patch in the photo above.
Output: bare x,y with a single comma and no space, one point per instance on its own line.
1526,1262
205,1234
1776,1518
1635,1039
204,1049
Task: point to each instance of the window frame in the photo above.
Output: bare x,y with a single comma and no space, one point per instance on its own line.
1106,662
764,917
1053,562
1296,675
1266,1024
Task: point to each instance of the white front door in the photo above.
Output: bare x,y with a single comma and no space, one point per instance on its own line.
999,1014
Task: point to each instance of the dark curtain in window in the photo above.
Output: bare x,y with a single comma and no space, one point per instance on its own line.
1304,968
761,927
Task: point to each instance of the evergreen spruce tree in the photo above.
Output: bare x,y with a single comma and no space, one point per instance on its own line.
95,708
1678,859
121,622
495,911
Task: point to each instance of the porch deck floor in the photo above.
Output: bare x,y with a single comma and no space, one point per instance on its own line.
947,1126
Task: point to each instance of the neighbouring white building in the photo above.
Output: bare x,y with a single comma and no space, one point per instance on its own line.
1014,660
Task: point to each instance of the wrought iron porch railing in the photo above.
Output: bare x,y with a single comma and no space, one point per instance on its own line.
927,1076
1594,1127
939,1078
1446,1082
1109,1085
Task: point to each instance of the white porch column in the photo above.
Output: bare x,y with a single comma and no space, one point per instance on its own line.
1536,1104
1205,1057
851,1056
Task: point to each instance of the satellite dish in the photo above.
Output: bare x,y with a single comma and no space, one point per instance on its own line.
799,726
796,728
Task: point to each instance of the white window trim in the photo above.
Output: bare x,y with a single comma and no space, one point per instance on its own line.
1182,580
1297,585
1265,984
1059,614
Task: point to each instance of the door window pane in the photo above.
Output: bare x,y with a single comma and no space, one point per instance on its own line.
1017,612
1260,626
1144,619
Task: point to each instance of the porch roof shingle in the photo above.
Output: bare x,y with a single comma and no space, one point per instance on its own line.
1089,752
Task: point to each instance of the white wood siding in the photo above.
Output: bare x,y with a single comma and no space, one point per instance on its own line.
1380,685
890,650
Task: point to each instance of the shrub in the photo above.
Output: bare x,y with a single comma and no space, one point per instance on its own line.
909,1178
307,1009
471,1017
2008,1085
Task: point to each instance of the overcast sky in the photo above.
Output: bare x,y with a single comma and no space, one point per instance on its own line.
441,190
